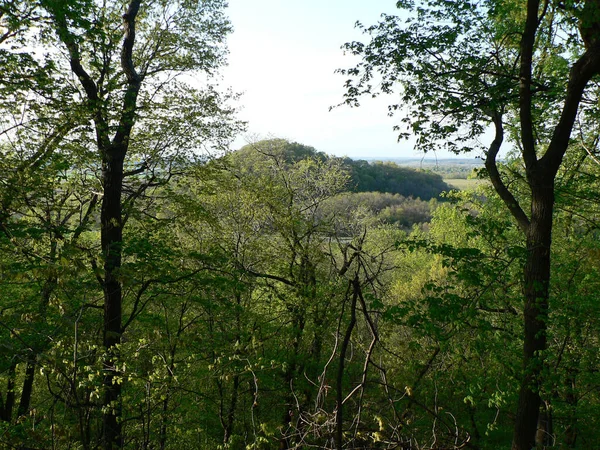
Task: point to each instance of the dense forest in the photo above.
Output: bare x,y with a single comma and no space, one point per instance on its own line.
275,297
377,176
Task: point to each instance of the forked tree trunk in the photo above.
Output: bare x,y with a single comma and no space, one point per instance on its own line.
112,152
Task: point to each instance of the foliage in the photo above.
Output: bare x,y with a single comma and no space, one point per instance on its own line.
384,177
464,66
388,177
392,209
276,297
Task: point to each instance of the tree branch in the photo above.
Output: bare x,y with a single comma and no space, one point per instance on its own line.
134,81
582,71
267,276
492,168
88,84
525,94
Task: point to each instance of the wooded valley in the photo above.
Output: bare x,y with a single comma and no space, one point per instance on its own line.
159,290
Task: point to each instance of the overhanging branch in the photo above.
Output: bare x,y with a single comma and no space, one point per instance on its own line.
492,168
582,71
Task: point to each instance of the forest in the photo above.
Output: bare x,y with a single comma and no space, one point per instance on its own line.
161,290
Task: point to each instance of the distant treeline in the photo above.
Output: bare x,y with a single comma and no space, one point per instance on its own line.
378,176
454,168
388,177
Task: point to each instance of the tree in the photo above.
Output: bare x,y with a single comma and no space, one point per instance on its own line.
524,66
290,184
296,308
385,177
388,177
112,72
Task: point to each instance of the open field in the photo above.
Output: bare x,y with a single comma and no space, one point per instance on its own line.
462,183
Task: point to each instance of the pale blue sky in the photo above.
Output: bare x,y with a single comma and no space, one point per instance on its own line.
283,55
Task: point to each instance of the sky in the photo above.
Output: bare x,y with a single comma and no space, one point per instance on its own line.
283,57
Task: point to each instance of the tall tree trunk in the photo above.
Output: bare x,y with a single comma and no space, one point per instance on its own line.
30,369
571,400
537,279
230,416
295,366
228,420
339,394
112,239
7,406
27,391
545,433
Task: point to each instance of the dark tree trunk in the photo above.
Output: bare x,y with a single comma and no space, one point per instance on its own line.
230,417
112,237
7,406
571,400
545,433
30,369
536,283
339,394
112,152
27,387
294,367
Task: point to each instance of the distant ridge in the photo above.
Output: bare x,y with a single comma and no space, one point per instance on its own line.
417,161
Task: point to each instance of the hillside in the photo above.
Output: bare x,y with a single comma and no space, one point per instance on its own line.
377,176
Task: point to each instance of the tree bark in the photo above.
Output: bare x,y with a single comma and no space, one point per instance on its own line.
113,157
7,406
112,152
536,283
27,391
230,416
541,174
112,239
